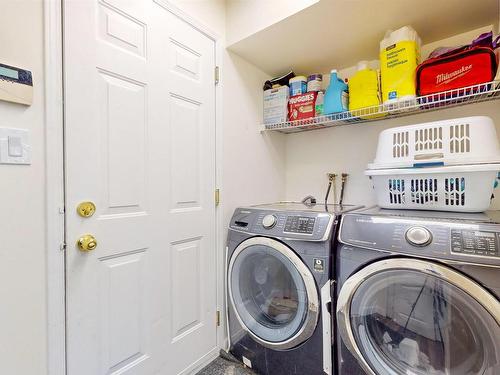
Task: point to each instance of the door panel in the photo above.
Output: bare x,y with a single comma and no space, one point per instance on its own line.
185,145
120,29
124,130
184,60
140,144
186,315
122,306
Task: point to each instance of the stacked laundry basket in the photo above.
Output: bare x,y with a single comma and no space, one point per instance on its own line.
449,165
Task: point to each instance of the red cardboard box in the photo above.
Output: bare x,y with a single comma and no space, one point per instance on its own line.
301,107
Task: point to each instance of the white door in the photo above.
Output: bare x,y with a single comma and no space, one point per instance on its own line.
140,144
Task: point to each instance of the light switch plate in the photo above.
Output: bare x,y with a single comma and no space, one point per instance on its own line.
14,146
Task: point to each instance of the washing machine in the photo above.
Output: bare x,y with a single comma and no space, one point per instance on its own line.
418,293
279,282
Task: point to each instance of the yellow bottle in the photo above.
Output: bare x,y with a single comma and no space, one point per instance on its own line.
399,57
364,92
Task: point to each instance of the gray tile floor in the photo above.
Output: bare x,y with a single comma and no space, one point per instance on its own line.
222,366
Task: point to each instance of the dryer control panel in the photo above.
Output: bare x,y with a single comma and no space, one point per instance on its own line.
307,226
433,238
475,242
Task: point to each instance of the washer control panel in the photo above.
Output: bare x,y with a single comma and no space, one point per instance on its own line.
418,236
475,242
299,224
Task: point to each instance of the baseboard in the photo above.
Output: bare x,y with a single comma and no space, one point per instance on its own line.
202,362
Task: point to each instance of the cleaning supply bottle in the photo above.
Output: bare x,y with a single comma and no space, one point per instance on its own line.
336,95
399,57
364,89
319,104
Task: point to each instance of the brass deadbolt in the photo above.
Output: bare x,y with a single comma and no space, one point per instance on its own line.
86,209
87,242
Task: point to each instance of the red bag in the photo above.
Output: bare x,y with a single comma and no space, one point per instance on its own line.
461,68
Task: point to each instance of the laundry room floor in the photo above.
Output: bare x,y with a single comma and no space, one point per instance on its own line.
222,366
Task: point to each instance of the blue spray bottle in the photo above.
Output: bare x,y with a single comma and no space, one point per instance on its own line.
336,95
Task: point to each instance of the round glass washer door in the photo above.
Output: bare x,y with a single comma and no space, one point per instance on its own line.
273,293
413,317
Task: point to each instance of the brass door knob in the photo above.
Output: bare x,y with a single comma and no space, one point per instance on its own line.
87,242
86,209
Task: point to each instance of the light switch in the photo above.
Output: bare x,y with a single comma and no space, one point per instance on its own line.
15,146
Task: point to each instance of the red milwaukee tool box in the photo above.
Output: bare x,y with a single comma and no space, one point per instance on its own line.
461,68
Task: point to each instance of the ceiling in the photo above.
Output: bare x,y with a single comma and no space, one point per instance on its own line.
339,33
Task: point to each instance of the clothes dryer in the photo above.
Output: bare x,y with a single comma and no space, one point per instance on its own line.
418,293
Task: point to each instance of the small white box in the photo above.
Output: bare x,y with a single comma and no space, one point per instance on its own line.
276,105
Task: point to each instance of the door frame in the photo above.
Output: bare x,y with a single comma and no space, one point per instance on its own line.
55,189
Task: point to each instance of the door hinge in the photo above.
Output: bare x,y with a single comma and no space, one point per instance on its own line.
217,318
217,197
217,75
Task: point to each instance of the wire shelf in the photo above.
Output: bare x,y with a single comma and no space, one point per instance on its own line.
446,99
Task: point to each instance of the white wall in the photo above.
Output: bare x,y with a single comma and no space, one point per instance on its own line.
254,163
23,315
246,17
211,13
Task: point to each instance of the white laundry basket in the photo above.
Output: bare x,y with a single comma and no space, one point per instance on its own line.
468,140
465,188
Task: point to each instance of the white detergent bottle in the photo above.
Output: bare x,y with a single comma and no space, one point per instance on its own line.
319,104
336,95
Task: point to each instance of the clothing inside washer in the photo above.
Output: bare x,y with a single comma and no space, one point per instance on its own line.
269,290
272,293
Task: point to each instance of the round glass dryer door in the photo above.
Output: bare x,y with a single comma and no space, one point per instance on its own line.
406,316
273,293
